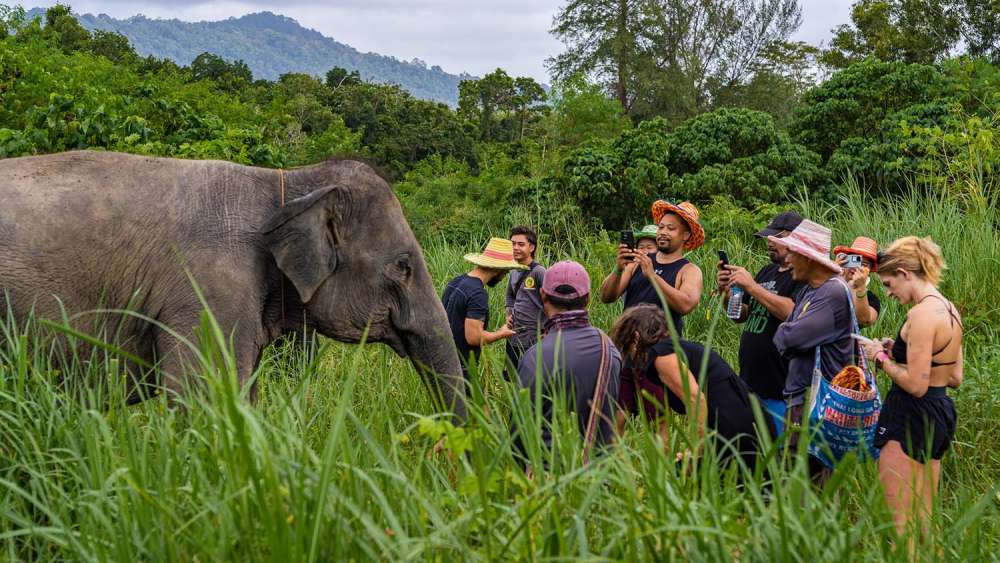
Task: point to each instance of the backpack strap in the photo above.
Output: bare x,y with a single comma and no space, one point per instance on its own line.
859,355
597,402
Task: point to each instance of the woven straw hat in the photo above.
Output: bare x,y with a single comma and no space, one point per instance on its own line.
499,254
688,213
811,240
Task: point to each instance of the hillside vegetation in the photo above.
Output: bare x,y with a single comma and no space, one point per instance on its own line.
272,45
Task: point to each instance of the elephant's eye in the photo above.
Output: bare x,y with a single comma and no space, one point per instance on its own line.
403,265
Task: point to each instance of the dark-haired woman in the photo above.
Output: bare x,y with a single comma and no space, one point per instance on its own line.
722,404
917,422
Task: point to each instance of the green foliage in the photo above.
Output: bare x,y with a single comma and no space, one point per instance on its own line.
886,123
500,105
909,31
229,77
736,153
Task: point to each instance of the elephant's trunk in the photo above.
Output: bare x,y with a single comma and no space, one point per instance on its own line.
434,357
430,347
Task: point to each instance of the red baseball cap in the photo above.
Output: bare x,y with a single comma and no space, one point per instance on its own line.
566,279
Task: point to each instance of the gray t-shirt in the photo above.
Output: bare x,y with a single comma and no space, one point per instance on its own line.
526,305
569,362
821,317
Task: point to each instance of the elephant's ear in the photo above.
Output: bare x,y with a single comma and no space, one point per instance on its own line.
301,239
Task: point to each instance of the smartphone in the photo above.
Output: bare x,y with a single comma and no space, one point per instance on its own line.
628,239
724,257
853,261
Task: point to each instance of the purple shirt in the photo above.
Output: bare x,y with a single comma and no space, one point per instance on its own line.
821,317
578,351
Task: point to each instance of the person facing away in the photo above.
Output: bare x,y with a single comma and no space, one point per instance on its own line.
767,303
820,318
523,303
666,272
722,403
568,359
467,304
917,421
866,304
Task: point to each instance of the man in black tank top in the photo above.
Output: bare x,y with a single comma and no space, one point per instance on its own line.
665,276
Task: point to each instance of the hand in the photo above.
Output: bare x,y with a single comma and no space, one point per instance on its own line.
873,348
887,344
646,263
722,278
856,278
739,276
510,320
505,332
625,256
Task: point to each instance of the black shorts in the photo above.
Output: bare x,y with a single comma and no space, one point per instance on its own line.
924,427
734,418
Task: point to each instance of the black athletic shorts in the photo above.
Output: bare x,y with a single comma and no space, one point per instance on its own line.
924,427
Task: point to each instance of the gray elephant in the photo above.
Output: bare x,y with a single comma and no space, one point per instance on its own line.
324,247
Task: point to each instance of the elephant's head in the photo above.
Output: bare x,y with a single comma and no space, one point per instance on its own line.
348,251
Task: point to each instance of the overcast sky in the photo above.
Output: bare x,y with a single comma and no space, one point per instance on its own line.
475,36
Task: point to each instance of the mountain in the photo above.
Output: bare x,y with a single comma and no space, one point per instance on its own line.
272,45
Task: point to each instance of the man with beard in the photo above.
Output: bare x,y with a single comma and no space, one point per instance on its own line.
664,276
767,304
467,304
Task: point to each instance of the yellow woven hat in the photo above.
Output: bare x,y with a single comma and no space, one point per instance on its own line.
499,254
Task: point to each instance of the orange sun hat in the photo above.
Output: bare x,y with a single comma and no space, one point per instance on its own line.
688,213
499,254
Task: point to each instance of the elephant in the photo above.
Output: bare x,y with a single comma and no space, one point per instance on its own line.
323,248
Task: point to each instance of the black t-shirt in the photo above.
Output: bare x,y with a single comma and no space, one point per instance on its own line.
874,303
640,290
465,298
761,365
723,389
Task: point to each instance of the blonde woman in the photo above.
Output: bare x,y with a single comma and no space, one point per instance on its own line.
917,422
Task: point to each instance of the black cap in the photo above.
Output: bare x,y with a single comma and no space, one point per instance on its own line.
786,221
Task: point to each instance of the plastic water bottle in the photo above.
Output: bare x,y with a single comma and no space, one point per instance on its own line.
735,302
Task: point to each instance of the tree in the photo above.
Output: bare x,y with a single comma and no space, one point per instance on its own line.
981,28
669,58
909,31
62,27
112,45
337,77
230,77
604,39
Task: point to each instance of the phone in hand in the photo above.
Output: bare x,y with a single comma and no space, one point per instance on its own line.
628,239
724,258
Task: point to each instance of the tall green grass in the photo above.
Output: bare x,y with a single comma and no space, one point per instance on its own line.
338,461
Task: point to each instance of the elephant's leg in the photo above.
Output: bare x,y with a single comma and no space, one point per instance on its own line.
178,361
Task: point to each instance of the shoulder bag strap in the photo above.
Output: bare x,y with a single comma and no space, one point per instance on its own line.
597,402
859,354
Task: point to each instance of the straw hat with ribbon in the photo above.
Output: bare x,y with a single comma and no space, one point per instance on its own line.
862,246
811,240
688,213
499,255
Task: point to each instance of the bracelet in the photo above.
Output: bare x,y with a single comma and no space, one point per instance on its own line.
880,360
861,295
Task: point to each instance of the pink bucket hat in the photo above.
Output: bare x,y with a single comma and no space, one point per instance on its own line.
567,280
811,240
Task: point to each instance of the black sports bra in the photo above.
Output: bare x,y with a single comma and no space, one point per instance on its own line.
899,346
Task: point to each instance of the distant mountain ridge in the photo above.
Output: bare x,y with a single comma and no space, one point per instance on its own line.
271,45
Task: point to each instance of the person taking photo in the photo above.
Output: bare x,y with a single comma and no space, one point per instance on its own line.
858,261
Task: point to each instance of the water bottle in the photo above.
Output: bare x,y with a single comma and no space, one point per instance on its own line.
735,302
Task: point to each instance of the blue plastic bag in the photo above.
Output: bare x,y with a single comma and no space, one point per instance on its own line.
843,420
